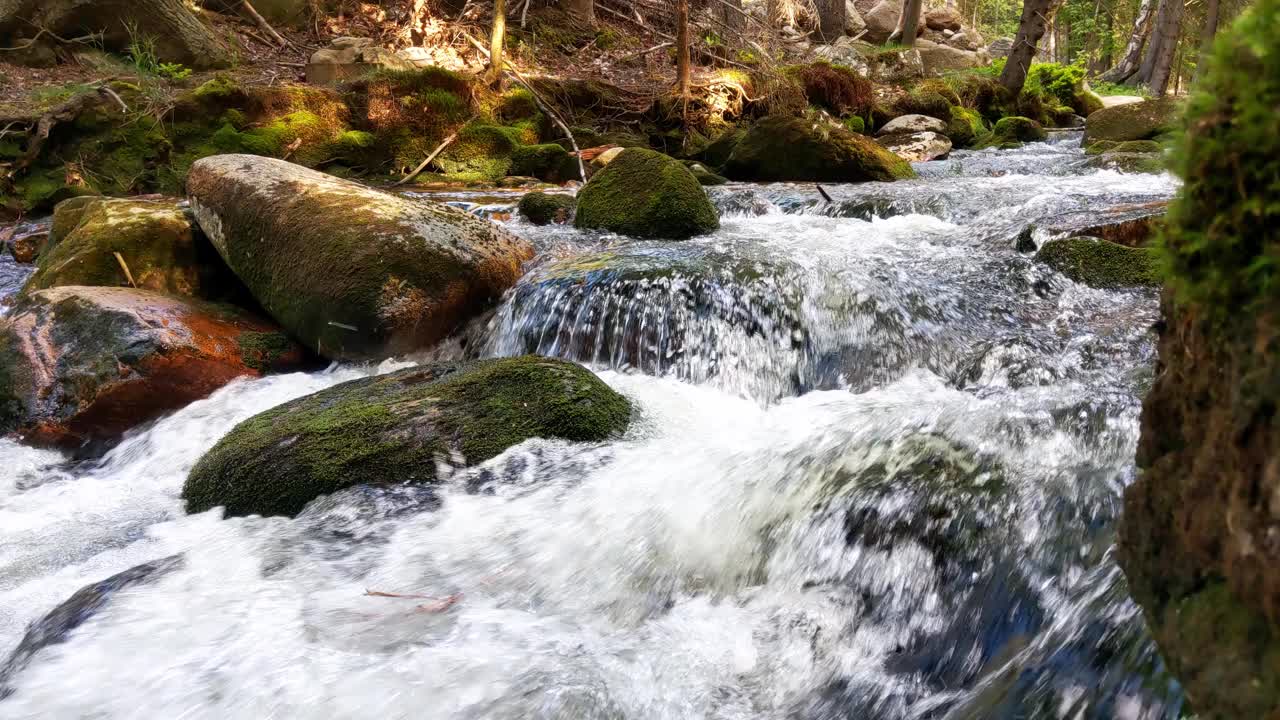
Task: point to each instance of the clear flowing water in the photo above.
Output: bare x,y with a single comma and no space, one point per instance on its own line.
875,473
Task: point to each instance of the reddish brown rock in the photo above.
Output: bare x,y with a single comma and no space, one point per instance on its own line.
943,19
84,364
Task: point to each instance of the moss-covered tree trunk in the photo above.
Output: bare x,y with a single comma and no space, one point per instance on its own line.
176,34
1035,19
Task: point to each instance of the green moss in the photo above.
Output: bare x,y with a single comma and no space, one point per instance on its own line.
781,148
1099,263
1221,245
1135,121
542,208
1012,131
923,102
855,124
262,351
965,127
548,162
518,104
1086,102
643,193
1098,147
484,149
394,428
1144,163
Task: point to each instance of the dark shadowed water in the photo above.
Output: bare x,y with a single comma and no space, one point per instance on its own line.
875,473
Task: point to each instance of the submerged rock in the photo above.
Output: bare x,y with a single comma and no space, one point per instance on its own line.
59,623
352,272
394,428
646,194
542,208
85,364
1133,121
796,149
1099,263
1198,541
156,240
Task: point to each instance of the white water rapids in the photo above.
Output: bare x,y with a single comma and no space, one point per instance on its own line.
874,474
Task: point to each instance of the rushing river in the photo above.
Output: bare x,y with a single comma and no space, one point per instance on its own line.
876,473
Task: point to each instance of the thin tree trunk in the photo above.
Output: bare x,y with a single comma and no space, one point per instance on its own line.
584,10
908,23
1207,35
1131,59
497,41
684,72
1158,62
831,19
1035,18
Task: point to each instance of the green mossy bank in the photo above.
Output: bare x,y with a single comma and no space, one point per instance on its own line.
784,149
1198,535
642,193
352,272
395,428
542,208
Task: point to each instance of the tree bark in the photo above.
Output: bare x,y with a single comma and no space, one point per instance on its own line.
584,10
497,42
1207,35
177,33
1131,59
831,19
1158,62
1035,18
683,70
908,23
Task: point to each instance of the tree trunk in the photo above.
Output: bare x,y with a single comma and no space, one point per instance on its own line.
908,23
1207,35
584,10
1035,18
830,19
683,70
1132,57
1158,62
178,35
497,42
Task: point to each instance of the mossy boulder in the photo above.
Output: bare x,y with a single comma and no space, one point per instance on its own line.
548,161
542,208
646,194
157,240
84,364
352,272
717,152
965,127
1100,263
781,148
483,150
395,428
1099,147
704,174
1141,163
1197,540
1015,129
1133,121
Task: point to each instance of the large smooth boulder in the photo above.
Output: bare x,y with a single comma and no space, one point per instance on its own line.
881,21
84,364
646,194
912,124
939,59
1198,540
779,148
853,22
918,146
352,272
396,428
157,241
1133,121
943,19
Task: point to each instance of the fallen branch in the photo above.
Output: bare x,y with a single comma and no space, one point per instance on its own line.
640,53
515,74
123,266
423,165
440,604
262,23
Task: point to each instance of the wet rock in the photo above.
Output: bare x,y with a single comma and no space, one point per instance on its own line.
548,161
25,245
1148,163
646,194
1013,131
913,124
1099,263
84,364
706,176
717,153
917,147
542,208
1199,542
157,241
1134,121
352,272
1099,147
395,428
55,627
1130,225
796,149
